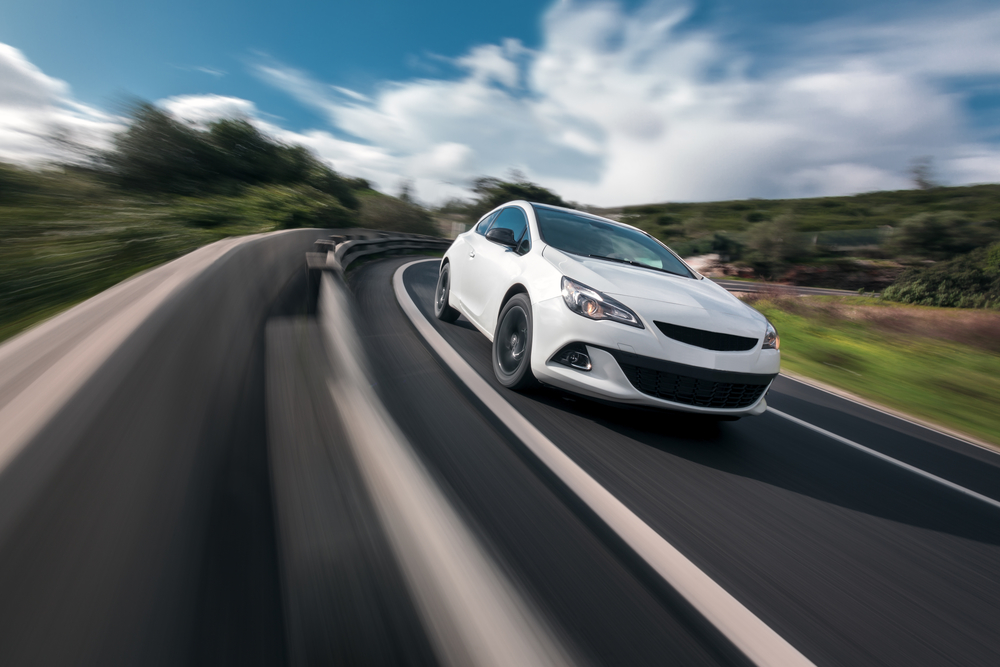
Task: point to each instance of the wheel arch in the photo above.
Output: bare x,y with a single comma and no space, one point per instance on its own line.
516,288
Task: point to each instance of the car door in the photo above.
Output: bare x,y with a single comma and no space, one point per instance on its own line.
462,267
493,267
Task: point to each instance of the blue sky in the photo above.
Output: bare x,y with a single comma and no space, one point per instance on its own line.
609,103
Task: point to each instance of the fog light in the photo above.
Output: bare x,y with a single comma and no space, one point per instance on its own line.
575,356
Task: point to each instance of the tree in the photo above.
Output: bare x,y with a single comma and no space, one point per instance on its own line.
941,235
492,192
922,171
159,154
726,246
773,245
390,214
406,191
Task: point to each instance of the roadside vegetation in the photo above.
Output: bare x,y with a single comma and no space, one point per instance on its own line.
967,281
866,241
68,232
491,192
938,364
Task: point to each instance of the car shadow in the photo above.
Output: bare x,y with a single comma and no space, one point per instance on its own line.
756,448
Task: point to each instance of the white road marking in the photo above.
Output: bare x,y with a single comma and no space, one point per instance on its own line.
933,428
762,645
887,458
472,613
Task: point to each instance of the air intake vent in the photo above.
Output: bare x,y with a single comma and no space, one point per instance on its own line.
710,340
692,391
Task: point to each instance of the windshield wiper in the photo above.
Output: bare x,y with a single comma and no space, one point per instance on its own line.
616,259
631,262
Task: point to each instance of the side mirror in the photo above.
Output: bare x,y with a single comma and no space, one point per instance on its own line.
502,235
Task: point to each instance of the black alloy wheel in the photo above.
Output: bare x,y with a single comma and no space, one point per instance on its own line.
442,310
512,344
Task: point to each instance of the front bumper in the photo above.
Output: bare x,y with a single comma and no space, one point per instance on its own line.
642,367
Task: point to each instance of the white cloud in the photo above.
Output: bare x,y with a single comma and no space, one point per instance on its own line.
494,63
624,107
34,107
321,97
200,110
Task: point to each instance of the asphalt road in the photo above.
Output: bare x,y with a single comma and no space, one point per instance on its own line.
852,559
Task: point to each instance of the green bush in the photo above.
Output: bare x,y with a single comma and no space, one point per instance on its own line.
390,214
967,281
728,248
267,207
941,235
288,207
773,245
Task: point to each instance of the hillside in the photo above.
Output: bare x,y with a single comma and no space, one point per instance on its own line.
865,240
864,211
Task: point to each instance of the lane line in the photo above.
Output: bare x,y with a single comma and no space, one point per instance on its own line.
857,400
762,645
889,412
472,612
887,458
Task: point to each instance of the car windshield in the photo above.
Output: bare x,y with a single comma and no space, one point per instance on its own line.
593,237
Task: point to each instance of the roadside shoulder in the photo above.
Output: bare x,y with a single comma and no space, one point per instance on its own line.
868,403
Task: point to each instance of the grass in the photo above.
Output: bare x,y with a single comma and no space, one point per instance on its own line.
54,254
938,364
65,236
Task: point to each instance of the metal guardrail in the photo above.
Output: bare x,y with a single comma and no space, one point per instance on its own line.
344,248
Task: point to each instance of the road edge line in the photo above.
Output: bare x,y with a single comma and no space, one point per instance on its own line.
885,457
754,638
958,436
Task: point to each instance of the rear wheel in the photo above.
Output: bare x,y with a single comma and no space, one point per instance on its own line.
512,344
442,310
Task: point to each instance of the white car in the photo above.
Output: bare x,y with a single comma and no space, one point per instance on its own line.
602,309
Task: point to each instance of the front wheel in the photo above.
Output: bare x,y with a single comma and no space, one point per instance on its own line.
442,310
512,344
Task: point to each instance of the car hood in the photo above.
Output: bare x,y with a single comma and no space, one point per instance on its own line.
657,291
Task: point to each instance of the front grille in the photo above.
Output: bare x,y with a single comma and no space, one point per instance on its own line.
692,391
710,340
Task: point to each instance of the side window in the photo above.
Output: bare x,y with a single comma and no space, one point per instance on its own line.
512,218
484,224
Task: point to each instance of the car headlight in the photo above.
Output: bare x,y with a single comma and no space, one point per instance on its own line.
771,339
591,304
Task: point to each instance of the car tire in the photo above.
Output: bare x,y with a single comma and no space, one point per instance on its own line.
512,344
442,310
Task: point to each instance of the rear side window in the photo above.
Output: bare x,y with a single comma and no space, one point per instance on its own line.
512,218
484,224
